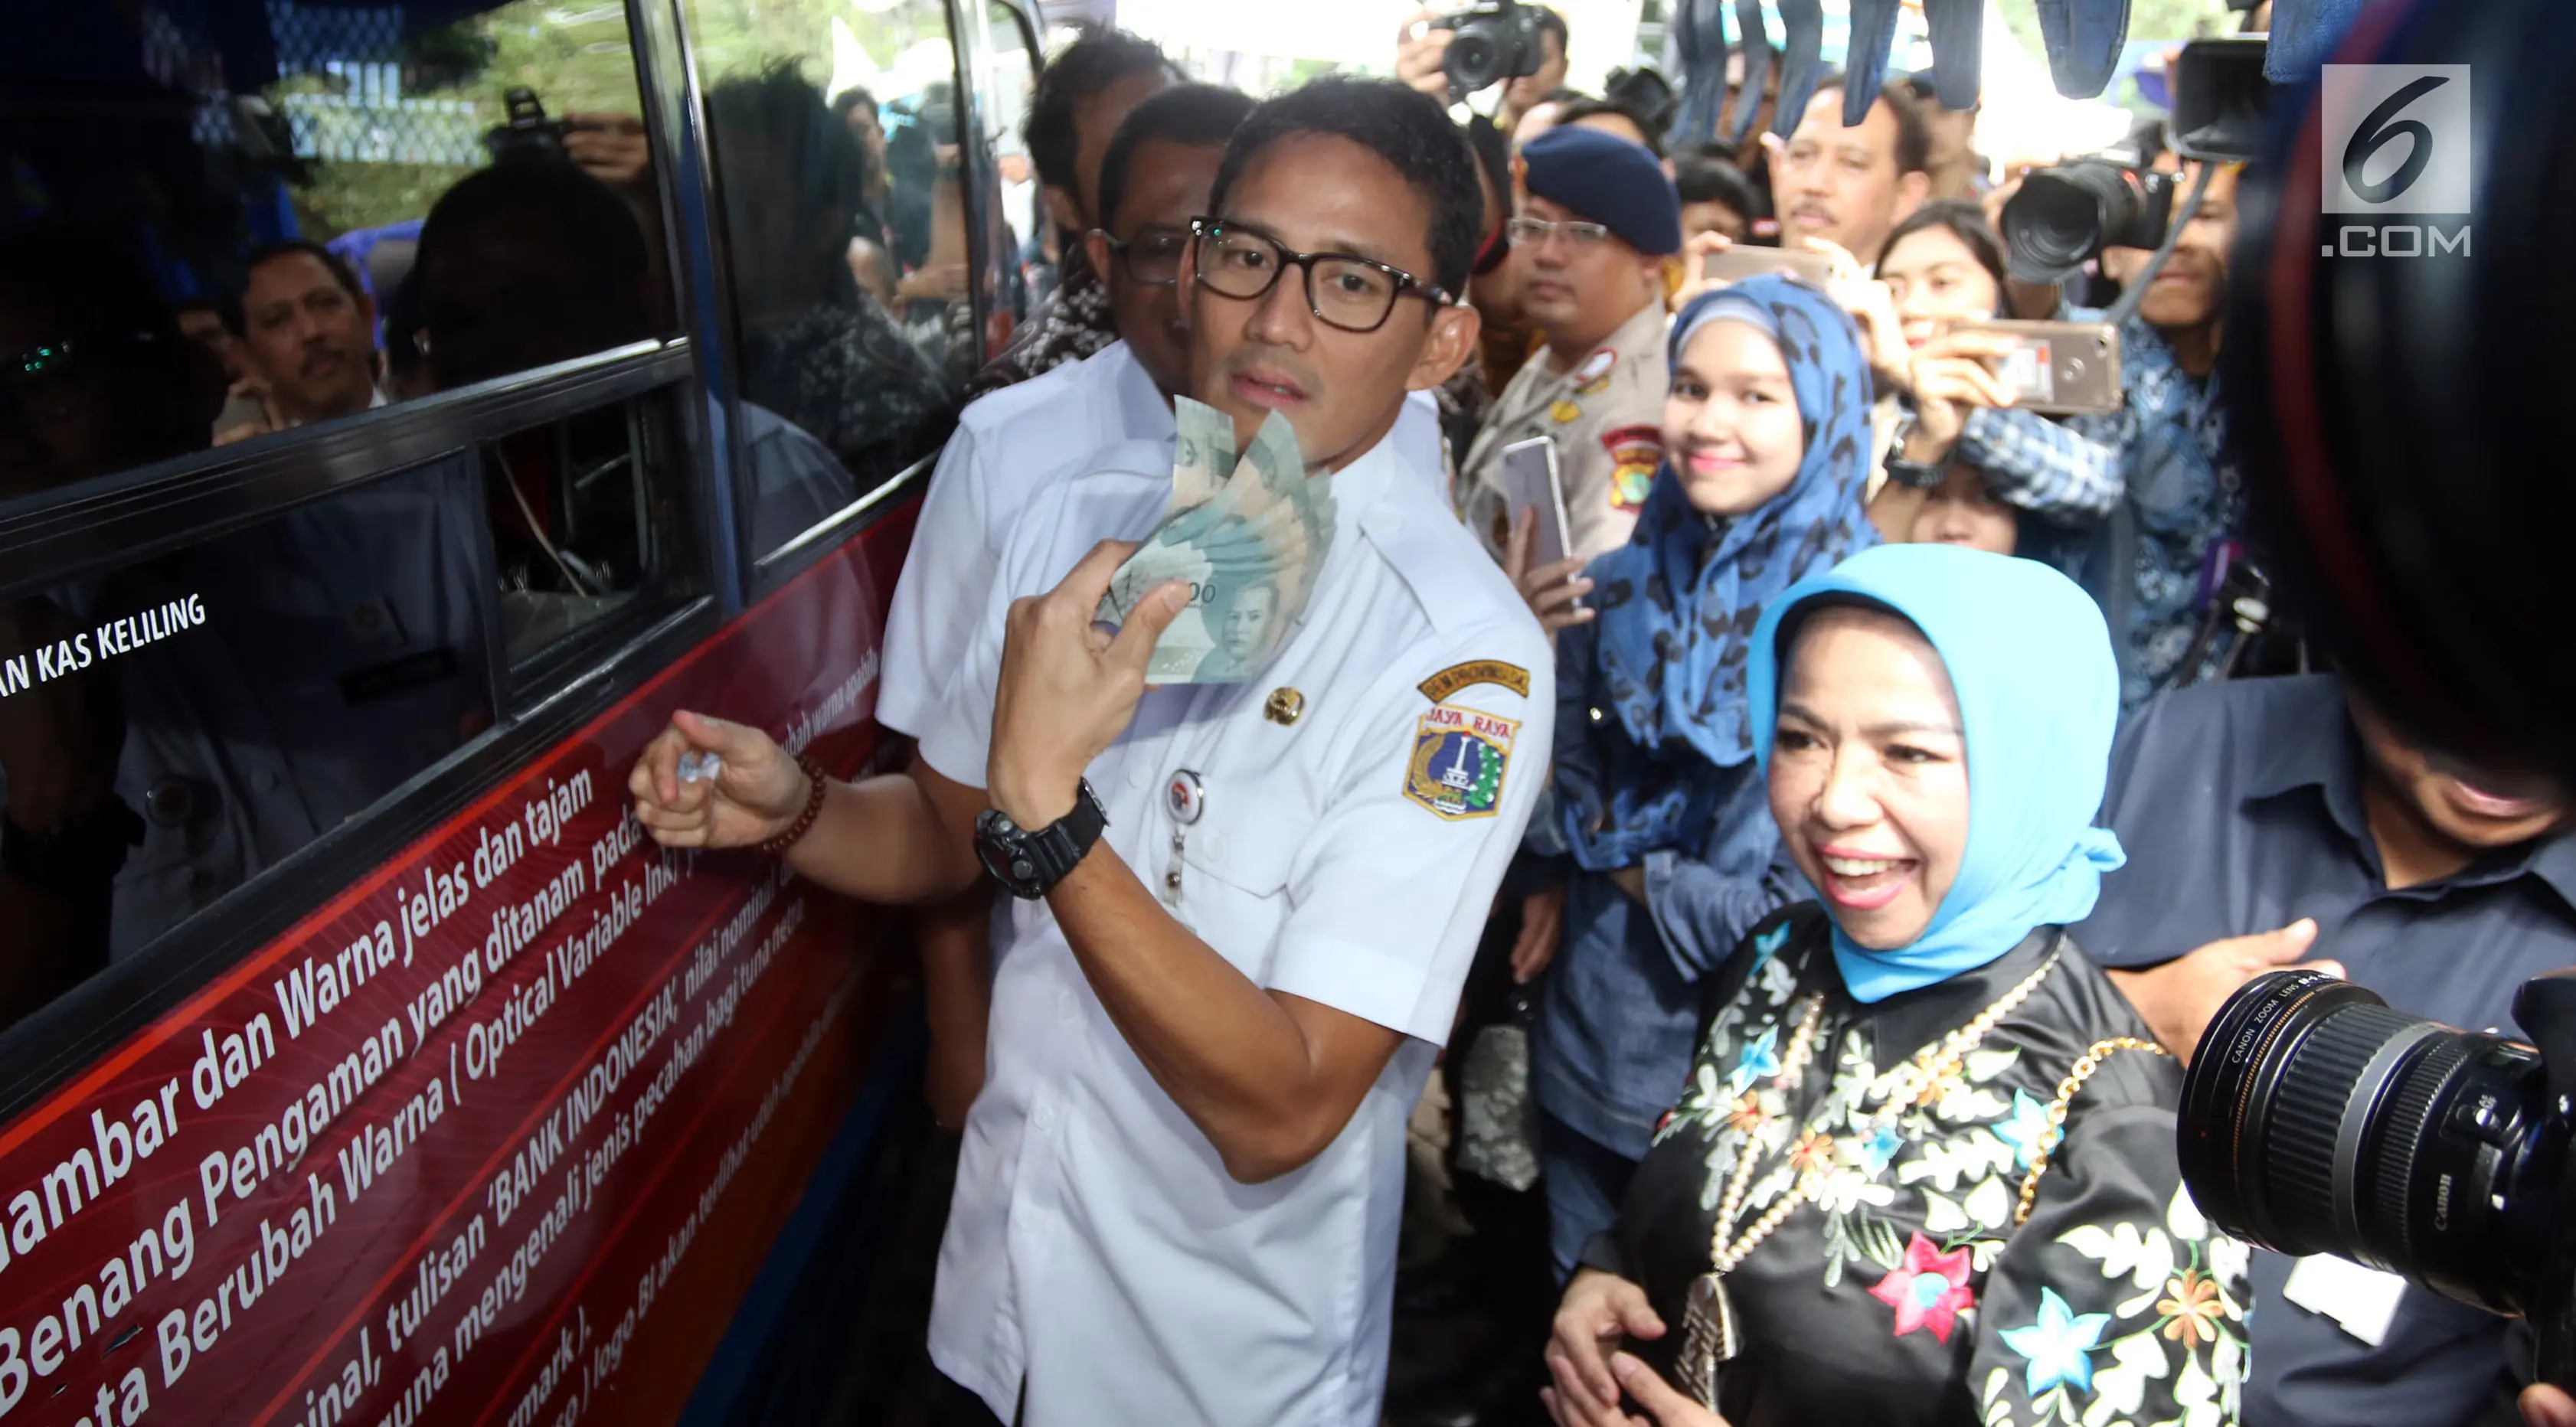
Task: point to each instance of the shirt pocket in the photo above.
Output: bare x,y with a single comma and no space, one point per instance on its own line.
1235,865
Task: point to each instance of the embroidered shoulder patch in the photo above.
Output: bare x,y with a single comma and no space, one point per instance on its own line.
1448,681
1635,453
1458,760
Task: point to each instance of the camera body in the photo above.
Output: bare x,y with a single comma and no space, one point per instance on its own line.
2315,1119
527,133
1488,45
2064,217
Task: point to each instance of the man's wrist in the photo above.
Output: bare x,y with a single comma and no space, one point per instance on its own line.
1035,804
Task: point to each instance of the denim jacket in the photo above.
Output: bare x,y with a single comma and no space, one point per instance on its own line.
1621,1009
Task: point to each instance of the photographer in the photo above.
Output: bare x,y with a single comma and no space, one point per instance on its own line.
2158,474
1422,48
2267,819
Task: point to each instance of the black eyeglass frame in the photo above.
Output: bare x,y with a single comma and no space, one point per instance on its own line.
1204,228
1120,247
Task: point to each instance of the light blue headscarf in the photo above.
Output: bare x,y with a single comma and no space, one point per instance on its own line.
2039,699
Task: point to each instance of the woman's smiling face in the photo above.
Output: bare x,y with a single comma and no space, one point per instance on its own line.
1869,773
1731,424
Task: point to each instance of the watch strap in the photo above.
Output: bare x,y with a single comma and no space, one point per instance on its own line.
1031,863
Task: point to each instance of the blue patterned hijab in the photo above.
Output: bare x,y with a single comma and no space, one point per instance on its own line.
2039,698
1678,602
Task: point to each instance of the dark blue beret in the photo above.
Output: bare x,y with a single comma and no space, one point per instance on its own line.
1614,183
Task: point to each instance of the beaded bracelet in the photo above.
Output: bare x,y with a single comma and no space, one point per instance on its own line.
816,782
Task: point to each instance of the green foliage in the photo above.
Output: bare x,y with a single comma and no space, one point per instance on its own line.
575,59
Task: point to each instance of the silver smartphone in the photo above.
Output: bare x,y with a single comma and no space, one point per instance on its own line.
1530,481
1735,264
2059,368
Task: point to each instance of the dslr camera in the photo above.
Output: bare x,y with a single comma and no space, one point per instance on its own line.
2064,217
1489,44
526,133
2316,1120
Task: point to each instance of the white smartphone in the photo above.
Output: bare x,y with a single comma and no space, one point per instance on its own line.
1531,482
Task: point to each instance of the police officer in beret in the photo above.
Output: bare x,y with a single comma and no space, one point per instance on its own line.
1590,247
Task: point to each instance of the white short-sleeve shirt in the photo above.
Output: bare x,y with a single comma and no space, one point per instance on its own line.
1010,445
1358,802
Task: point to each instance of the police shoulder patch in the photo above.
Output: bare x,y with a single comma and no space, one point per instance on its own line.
1448,681
1459,756
1635,453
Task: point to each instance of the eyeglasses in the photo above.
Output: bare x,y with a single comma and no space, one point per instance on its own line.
1530,232
1152,257
55,360
1343,290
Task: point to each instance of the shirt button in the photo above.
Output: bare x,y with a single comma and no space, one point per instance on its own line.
1067,1008
1044,1118
267,780
1138,776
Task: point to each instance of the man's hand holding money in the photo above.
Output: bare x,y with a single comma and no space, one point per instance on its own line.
1068,689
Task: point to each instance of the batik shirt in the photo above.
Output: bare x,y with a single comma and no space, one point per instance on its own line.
847,377
1902,1292
2164,454
1073,324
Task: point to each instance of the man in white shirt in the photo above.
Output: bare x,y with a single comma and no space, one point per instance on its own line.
1012,444
1178,1195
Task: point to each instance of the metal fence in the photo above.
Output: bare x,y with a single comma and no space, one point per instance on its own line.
341,89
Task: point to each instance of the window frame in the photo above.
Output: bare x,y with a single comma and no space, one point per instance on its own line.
151,510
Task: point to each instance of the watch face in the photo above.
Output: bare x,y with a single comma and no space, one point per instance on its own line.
1004,851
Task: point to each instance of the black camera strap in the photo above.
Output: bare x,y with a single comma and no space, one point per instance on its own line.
2136,292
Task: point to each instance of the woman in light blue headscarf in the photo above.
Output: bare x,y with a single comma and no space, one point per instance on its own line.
1658,806
1923,1169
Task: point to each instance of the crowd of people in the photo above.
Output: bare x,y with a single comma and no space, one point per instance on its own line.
1829,857
1858,825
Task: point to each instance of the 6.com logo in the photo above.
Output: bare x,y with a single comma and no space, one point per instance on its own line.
2397,141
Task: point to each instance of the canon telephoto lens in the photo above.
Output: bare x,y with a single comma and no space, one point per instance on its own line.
2317,1120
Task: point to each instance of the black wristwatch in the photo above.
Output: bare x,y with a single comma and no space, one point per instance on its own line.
1914,475
1029,863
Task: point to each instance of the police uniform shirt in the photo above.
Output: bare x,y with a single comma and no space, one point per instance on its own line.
1009,445
1336,829
1606,416
2240,806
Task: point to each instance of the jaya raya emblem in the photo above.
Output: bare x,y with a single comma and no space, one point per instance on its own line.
1458,760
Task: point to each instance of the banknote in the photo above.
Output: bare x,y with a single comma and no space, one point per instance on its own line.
1203,456
1249,552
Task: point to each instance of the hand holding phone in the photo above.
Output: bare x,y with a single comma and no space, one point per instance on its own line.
2058,368
1735,262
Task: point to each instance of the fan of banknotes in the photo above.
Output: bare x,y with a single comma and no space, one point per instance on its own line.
1247,534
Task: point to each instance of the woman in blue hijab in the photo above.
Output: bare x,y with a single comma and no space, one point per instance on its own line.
1923,1168
1658,807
